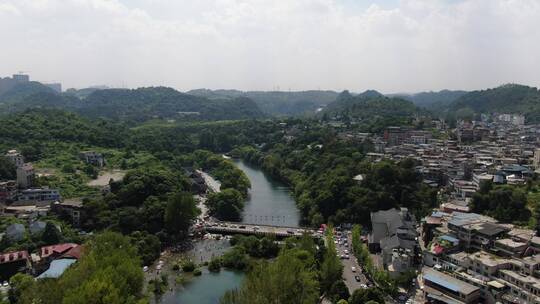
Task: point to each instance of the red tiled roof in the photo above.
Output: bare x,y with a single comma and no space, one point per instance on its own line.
46,251
13,256
74,252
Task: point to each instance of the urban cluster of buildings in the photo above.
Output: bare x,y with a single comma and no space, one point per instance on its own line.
472,258
506,153
463,257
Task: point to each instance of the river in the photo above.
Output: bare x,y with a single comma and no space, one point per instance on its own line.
269,202
206,289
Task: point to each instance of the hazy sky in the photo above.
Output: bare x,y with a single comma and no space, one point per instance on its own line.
391,46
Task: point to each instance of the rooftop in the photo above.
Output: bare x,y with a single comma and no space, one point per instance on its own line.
448,282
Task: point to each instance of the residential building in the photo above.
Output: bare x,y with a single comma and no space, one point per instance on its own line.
441,287
37,196
12,263
536,159
72,209
15,157
21,77
93,158
25,176
8,191
394,235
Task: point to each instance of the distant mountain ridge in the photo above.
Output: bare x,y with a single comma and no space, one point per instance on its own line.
277,102
432,100
129,104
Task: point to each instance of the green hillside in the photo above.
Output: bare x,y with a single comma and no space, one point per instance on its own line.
510,98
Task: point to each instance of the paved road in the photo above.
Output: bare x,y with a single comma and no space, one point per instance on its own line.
348,275
213,184
240,228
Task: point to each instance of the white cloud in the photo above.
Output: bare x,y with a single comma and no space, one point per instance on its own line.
258,44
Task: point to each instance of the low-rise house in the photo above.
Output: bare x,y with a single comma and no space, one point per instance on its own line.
37,196
15,157
12,263
439,286
71,208
93,158
8,191
53,260
475,230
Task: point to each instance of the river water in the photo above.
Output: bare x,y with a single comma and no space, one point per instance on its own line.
206,289
269,202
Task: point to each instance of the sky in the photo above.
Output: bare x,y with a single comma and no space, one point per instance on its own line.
391,46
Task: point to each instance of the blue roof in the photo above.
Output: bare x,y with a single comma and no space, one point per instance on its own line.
448,282
441,281
57,268
449,238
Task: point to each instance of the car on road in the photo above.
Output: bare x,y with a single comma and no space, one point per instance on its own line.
346,257
242,227
289,231
353,269
357,278
364,286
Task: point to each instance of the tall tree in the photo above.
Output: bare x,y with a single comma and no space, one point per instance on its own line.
180,212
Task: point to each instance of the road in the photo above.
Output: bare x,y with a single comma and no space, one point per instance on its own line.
240,228
213,184
348,274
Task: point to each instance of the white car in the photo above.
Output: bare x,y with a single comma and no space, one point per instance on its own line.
145,268
353,269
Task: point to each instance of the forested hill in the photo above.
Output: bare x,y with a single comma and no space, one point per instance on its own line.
147,103
361,107
134,105
15,91
432,100
510,98
277,102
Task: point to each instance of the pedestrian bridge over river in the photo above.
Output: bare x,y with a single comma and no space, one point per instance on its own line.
250,229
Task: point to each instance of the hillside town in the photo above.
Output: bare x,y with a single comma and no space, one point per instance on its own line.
460,256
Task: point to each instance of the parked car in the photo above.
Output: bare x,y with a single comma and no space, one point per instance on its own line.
353,269
357,278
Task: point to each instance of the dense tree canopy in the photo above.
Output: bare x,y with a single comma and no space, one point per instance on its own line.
108,272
